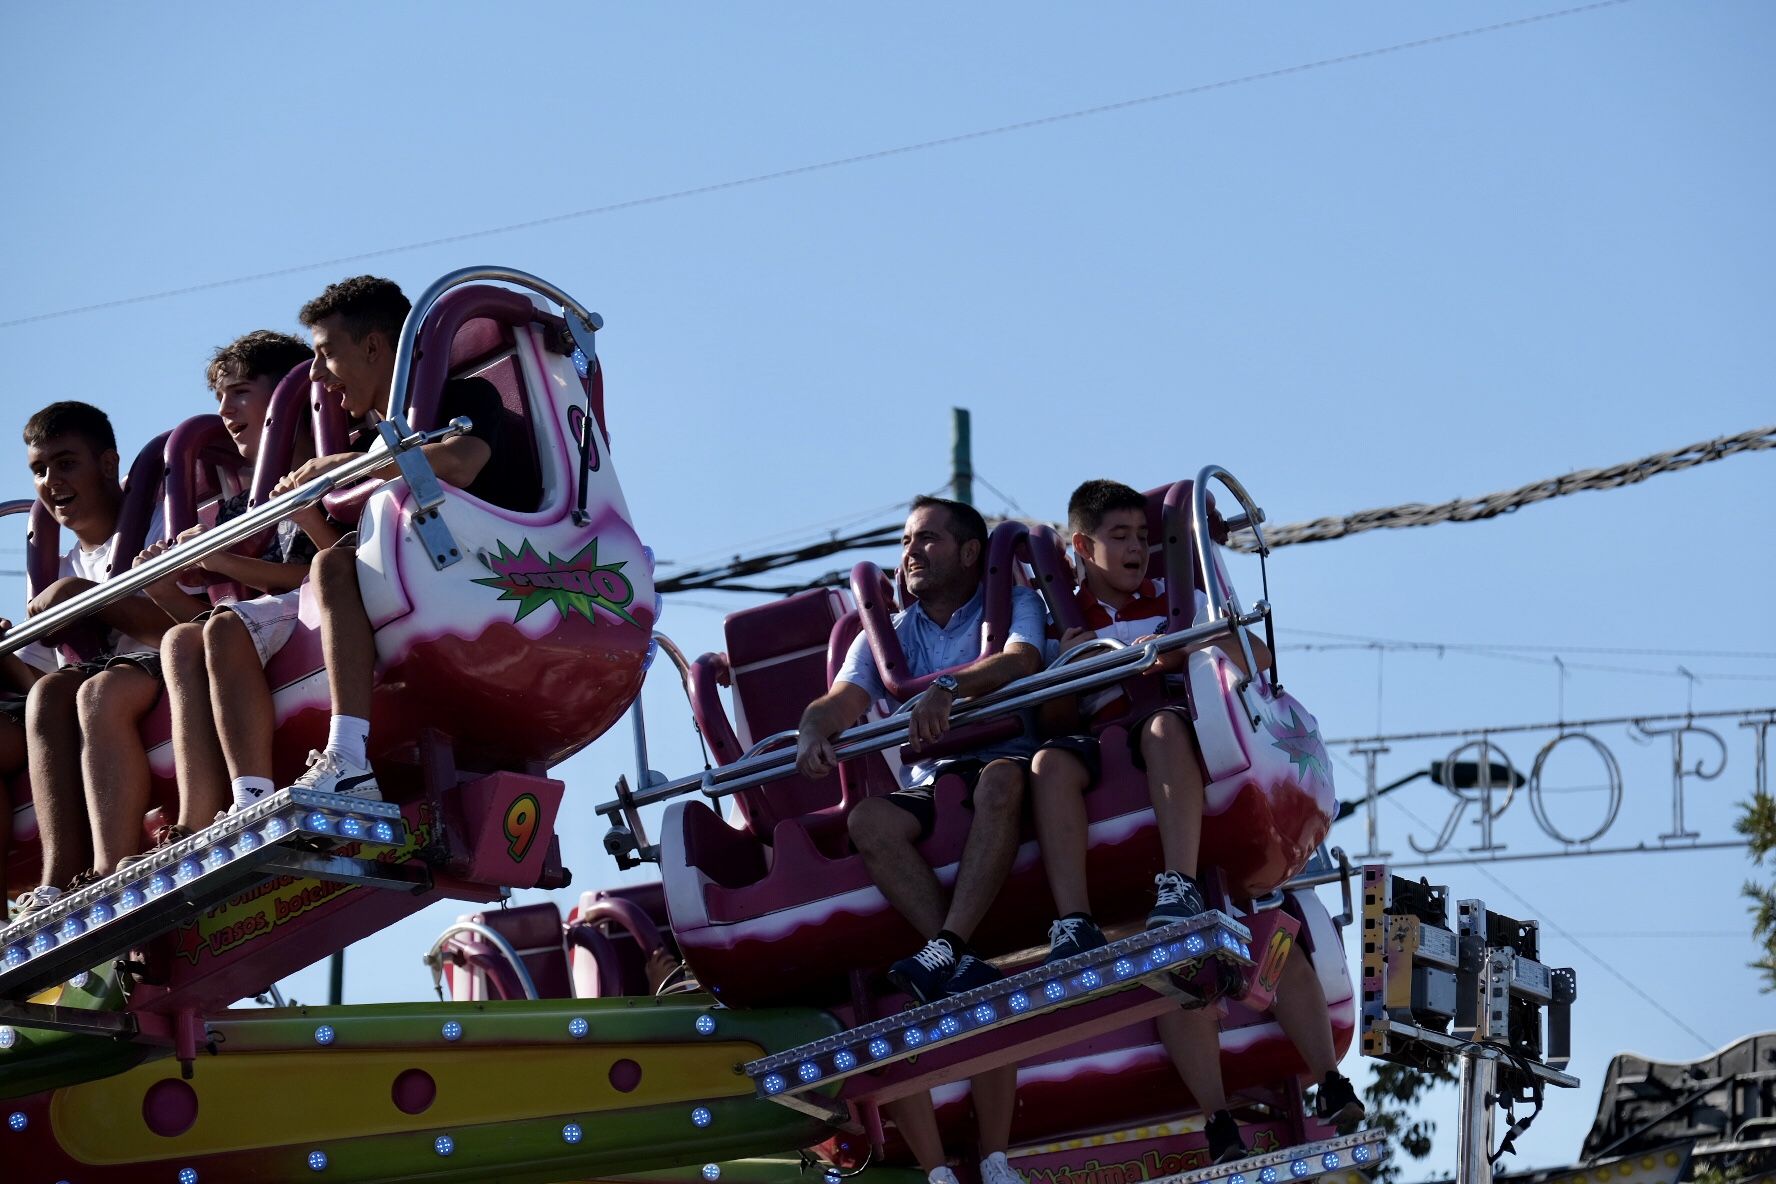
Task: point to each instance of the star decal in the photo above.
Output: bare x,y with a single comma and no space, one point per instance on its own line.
1301,742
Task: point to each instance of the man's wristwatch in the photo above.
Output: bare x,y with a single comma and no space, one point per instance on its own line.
946,682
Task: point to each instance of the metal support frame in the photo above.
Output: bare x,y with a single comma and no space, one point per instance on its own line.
1150,959
169,887
428,493
1362,1152
48,1017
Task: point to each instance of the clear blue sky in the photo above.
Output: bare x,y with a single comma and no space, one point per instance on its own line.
1430,274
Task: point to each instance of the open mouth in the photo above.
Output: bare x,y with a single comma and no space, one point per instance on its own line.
59,503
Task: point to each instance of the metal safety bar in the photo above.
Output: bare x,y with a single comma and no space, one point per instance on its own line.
582,323
1055,682
235,530
1224,603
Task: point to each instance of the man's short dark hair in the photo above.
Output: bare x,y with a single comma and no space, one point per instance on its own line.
365,304
260,354
965,521
1096,500
71,419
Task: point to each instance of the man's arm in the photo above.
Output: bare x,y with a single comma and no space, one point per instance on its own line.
930,716
825,718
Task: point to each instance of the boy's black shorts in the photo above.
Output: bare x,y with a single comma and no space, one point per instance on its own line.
1085,748
921,800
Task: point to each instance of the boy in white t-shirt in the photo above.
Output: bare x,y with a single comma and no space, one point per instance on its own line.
214,660
72,452
1108,521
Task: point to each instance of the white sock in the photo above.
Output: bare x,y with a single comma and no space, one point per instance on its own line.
248,790
348,737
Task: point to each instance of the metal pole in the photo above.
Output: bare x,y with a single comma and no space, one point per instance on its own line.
961,456
1371,824
1478,1085
1479,1073
336,979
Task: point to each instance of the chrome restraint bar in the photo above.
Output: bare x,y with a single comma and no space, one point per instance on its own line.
405,452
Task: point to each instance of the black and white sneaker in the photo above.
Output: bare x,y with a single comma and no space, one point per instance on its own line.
328,772
1336,1104
924,974
1073,935
1176,898
971,972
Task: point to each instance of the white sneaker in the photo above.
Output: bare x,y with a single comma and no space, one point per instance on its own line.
942,1175
996,1169
36,898
328,772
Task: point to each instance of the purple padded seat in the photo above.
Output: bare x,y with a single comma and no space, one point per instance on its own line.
775,665
536,935
483,348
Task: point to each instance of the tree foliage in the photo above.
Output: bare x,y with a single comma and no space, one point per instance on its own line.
1392,1099
1757,822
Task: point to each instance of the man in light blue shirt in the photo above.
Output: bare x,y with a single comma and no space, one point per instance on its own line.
943,561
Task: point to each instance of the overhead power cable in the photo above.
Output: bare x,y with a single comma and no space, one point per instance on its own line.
820,166
1476,509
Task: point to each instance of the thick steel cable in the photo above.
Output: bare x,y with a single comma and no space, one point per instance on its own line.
1477,509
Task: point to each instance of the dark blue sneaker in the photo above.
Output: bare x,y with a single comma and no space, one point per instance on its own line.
971,972
1072,935
924,974
1336,1104
1177,898
1225,1143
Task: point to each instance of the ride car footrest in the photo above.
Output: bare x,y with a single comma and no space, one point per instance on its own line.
292,831
1361,1152
1152,959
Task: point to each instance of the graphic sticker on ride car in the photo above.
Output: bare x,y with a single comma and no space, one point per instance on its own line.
572,585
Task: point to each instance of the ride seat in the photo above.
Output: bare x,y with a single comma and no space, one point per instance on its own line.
775,665
535,934
486,348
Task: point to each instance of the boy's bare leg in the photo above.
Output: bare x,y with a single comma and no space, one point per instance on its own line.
197,752
991,846
347,641
12,759
1193,1040
52,730
1175,783
1300,1010
886,837
240,698
916,1120
1058,783
115,765
995,1101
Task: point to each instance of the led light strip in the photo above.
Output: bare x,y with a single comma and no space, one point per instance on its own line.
1175,949
1361,1151
221,854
